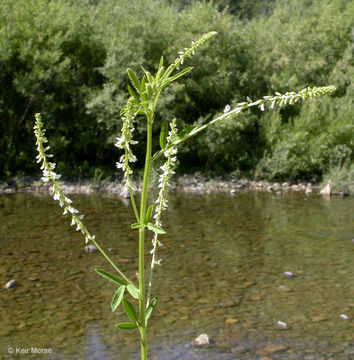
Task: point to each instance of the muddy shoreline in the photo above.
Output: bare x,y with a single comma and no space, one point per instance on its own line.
193,184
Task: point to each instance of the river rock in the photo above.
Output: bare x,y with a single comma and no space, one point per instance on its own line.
289,275
231,321
239,349
281,325
319,318
10,284
272,349
90,248
202,340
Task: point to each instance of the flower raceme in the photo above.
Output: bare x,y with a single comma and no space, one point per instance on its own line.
124,142
49,175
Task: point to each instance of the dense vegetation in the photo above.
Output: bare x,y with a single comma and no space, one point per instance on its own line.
67,60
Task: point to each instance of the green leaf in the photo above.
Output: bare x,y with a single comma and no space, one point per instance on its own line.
150,78
156,229
105,274
161,63
149,91
137,226
148,214
133,95
181,73
143,90
117,297
134,79
163,134
183,133
133,291
150,308
129,310
160,70
126,326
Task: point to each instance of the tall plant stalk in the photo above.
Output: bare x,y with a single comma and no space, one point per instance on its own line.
144,194
144,95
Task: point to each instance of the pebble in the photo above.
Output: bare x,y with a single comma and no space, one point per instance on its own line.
239,349
282,325
10,284
90,248
319,318
283,288
344,317
289,274
272,348
202,340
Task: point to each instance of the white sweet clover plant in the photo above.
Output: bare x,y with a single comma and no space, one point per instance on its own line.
144,95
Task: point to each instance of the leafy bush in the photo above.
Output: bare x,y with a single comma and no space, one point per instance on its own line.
67,60
48,62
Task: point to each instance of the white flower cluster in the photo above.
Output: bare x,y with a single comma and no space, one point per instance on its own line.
287,98
161,201
49,175
278,99
124,142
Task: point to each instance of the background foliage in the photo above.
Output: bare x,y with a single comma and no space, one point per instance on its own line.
68,60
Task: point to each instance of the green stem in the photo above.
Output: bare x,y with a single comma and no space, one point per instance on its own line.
111,262
134,205
142,326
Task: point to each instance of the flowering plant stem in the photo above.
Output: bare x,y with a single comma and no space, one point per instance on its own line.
144,95
142,241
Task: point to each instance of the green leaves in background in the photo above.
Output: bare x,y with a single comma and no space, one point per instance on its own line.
68,60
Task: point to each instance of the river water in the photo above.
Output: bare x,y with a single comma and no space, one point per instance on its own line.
222,274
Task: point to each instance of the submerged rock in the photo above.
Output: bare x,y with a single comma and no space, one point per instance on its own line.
10,284
90,248
283,288
239,349
344,317
289,275
282,325
202,340
272,349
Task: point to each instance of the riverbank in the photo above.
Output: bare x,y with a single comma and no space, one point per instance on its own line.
197,184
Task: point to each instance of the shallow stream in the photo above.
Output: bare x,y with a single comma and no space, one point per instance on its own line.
222,274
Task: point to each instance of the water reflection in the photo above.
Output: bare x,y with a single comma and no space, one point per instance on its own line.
222,274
